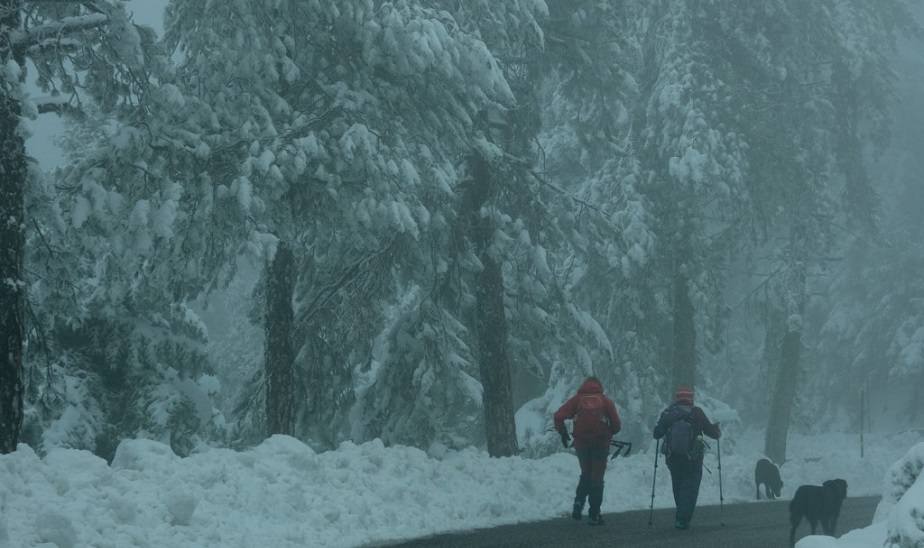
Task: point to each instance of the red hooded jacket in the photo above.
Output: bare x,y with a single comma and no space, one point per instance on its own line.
569,410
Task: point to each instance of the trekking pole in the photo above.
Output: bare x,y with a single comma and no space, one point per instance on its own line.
620,445
653,477
718,449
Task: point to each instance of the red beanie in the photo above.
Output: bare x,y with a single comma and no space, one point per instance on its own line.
684,395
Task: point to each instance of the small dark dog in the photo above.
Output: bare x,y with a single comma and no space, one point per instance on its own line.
768,474
817,503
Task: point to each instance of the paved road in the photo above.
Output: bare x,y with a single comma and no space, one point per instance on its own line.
752,525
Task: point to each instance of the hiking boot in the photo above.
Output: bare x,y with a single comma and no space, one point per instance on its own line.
595,519
595,497
578,508
681,525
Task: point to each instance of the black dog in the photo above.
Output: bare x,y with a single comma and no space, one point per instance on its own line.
768,474
816,504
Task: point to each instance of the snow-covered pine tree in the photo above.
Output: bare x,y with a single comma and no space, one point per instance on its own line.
692,164
783,61
867,316
352,117
86,55
498,195
12,207
849,99
601,261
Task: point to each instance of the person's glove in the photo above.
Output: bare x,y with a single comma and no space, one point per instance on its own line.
565,438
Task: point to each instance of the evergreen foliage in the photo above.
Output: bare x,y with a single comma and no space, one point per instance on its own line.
470,192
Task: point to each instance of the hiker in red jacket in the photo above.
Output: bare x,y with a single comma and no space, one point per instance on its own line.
595,423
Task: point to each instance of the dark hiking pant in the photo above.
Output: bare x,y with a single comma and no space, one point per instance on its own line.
593,467
685,479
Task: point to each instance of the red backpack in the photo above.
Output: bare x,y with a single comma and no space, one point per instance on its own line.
590,422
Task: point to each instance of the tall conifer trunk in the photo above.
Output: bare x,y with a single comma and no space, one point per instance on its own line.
279,353
789,316
491,323
684,369
12,242
684,354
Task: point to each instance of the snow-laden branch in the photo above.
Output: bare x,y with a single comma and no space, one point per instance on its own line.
326,293
36,35
56,103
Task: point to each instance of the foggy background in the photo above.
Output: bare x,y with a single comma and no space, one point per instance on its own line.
862,338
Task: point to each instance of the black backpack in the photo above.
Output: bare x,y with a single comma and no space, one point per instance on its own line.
679,439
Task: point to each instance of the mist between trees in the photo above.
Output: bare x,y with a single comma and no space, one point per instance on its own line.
408,220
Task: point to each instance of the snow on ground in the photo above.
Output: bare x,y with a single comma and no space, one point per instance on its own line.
283,494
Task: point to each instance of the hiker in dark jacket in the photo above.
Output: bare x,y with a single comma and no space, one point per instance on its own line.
595,423
686,469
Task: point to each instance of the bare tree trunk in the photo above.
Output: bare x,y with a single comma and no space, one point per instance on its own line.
12,223
862,199
491,324
279,353
500,426
683,366
789,314
914,409
684,356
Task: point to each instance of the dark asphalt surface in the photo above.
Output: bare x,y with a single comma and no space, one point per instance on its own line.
762,524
